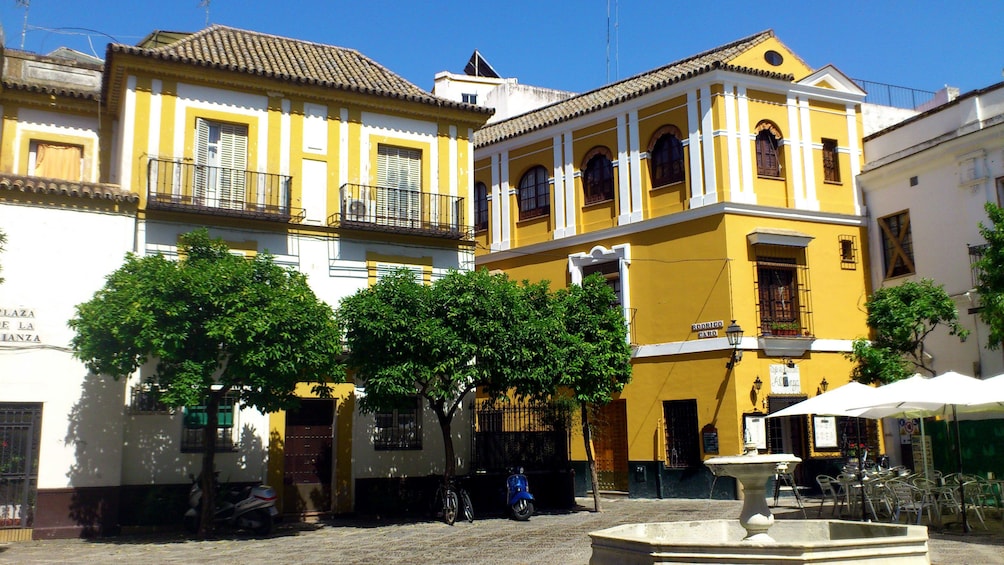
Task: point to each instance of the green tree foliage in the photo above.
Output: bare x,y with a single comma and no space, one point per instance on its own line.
901,317
216,325
595,358
440,341
990,281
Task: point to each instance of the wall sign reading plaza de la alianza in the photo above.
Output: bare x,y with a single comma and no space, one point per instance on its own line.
17,325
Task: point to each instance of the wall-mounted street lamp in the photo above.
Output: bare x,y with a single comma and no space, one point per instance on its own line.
824,385
758,384
734,334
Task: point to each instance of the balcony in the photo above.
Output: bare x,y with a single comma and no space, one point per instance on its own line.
392,210
180,186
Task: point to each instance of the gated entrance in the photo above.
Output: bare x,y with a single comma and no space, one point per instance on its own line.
507,434
609,431
308,457
19,440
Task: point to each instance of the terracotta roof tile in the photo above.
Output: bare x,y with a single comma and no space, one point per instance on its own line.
626,89
249,52
47,186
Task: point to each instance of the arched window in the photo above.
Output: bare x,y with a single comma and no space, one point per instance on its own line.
480,206
768,151
665,155
534,194
598,176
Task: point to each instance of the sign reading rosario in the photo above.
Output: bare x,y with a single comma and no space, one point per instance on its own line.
707,329
17,325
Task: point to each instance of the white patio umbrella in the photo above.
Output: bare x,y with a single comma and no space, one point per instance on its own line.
837,402
992,403
943,395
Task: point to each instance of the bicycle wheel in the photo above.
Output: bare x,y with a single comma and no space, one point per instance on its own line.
466,505
450,507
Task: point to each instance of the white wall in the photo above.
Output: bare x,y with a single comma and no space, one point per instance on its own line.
54,260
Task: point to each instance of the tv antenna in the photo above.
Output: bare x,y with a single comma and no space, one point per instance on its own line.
205,4
617,37
24,27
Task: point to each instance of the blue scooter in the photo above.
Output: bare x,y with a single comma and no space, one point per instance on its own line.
519,497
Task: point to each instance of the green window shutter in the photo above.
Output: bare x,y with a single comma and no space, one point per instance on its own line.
195,417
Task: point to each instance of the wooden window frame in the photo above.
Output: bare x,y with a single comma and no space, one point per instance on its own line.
831,161
666,158
598,176
897,244
534,193
769,151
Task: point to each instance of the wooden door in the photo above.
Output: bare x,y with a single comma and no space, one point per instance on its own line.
609,431
308,457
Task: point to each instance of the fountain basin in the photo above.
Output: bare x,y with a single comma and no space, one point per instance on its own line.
720,541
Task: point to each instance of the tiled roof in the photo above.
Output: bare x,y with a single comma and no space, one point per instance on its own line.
242,51
47,186
626,89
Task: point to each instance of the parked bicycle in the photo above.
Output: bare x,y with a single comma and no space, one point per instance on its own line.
451,501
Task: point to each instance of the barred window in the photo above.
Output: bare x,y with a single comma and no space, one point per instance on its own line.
146,400
194,427
831,161
666,157
399,428
682,433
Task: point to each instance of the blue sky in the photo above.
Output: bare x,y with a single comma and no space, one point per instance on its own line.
563,44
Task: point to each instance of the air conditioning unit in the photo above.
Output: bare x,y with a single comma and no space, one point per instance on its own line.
357,210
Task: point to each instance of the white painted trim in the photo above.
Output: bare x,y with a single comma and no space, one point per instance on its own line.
623,180
634,162
343,146
286,140
559,187
128,133
694,138
156,103
732,148
570,210
746,163
750,210
805,121
707,129
794,141
452,173
722,344
600,254
854,152
506,191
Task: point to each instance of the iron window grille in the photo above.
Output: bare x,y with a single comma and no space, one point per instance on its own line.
400,428
783,296
146,399
666,160
831,161
682,433
194,422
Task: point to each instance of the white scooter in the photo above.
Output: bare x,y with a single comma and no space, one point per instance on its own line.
248,508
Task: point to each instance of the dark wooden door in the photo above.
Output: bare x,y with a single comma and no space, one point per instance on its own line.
308,457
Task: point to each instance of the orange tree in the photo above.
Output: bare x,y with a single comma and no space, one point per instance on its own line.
215,324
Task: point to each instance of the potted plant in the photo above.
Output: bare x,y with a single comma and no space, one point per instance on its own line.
784,328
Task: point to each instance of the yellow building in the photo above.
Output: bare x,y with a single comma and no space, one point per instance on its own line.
334,164
719,187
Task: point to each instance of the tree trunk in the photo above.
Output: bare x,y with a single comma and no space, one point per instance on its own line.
445,425
594,477
208,475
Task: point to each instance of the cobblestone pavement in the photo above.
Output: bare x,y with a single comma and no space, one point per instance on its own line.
546,538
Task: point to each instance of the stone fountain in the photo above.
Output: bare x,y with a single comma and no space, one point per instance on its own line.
791,541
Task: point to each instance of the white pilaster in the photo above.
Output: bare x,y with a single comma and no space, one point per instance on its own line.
732,145
708,136
128,118
557,166
343,146
694,137
569,186
794,142
745,143
623,173
808,158
153,136
453,172
854,147
285,137
634,159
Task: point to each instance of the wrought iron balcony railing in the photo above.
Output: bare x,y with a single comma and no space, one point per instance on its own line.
377,208
220,191
975,254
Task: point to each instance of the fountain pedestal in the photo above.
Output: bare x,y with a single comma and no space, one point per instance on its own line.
752,471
